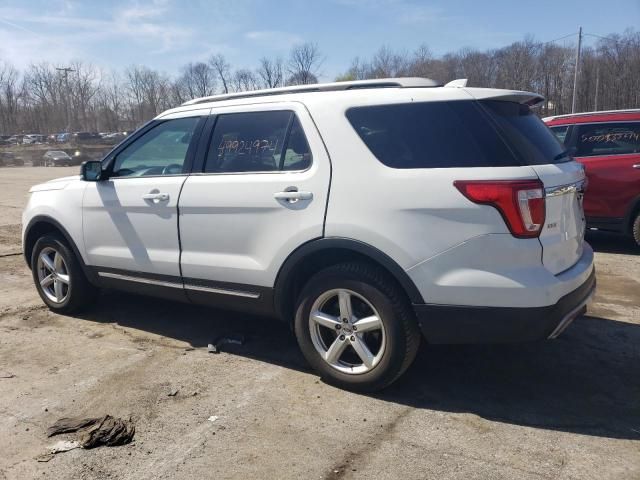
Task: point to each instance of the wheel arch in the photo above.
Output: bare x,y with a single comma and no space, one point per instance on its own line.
41,225
323,252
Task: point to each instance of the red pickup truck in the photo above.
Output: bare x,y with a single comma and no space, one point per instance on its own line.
608,145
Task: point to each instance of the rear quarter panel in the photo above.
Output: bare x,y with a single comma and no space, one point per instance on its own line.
410,214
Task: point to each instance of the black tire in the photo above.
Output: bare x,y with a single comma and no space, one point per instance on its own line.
635,228
401,332
79,293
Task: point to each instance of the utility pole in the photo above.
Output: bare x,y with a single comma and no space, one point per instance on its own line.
595,107
66,71
575,73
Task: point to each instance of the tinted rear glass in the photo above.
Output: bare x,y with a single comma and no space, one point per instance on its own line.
454,134
525,133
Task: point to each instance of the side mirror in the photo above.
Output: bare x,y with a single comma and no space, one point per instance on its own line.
91,171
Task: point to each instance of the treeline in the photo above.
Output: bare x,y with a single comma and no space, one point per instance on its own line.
45,99
609,72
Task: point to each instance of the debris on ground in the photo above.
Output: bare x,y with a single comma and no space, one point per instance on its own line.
6,375
94,432
228,340
44,457
67,425
213,418
63,446
173,392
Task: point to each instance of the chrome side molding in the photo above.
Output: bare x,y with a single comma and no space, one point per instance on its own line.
147,281
186,286
223,291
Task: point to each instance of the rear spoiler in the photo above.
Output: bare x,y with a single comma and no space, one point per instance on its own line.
526,98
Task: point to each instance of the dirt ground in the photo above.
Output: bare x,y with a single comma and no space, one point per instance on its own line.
568,408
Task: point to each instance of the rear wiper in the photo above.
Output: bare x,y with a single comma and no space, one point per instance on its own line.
565,153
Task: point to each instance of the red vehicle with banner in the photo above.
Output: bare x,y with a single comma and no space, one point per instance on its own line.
608,145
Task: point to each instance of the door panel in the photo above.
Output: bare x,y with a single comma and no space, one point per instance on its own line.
609,152
124,230
240,227
130,221
613,184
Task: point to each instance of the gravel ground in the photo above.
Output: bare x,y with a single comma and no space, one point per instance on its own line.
567,408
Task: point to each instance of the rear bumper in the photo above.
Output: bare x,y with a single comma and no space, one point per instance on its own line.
467,324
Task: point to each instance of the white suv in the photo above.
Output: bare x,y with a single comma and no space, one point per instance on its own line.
362,213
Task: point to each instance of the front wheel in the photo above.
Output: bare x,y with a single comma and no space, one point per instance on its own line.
58,276
355,327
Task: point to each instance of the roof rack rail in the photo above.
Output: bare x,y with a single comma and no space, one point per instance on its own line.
596,112
405,82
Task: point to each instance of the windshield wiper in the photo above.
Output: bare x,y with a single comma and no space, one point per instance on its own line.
565,153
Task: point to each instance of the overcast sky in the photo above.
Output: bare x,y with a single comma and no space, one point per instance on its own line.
166,34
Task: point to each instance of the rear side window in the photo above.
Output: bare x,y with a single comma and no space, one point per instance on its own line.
297,155
454,134
257,142
608,139
560,132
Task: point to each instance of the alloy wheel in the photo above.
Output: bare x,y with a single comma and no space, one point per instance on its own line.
347,331
53,275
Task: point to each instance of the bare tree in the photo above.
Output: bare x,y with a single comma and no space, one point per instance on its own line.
271,72
222,70
304,63
244,80
9,97
198,80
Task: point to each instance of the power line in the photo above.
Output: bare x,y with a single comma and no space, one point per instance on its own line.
561,38
611,39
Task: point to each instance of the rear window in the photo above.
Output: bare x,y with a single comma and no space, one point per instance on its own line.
455,134
608,139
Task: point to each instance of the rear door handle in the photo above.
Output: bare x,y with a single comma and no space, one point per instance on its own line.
293,196
156,197
637,165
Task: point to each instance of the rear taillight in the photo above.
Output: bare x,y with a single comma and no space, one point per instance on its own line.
520,202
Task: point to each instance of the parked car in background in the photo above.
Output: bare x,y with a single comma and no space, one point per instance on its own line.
9,159
443,211
63,137
113,138
86,137
33,138
15,139
57,158
608,145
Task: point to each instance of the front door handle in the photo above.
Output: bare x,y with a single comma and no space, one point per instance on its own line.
637,165
156,197
292,196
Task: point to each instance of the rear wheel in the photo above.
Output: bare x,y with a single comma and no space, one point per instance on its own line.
355,327
58,277
635,228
